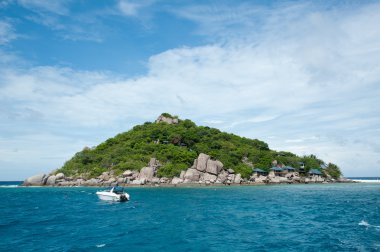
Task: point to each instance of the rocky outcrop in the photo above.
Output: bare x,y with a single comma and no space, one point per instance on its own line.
192,175
36,180
167,119
214,167
201,162
146,173
204,171
51,180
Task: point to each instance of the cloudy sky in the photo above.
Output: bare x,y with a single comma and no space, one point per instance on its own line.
303,76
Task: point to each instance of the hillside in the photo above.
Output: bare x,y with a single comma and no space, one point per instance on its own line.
176,143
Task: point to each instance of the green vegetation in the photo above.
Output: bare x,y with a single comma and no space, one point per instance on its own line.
333,170
176,146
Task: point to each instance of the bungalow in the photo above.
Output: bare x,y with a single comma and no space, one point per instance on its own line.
288,169
258,172
315,172
276,171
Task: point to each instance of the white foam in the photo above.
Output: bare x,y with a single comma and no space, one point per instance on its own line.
367,181
100,245
366,224
9,186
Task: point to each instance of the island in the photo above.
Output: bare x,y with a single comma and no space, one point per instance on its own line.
172,152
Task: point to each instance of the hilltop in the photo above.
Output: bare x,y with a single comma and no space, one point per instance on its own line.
176,143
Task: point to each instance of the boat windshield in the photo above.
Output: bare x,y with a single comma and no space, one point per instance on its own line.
118,190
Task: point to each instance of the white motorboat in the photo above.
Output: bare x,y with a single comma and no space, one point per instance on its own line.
114,194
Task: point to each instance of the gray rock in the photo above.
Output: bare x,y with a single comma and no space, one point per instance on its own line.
51,180
139,181
209,177
261,179
121,180
127,173
230,171
60,176
192,175
164,180
156,180
222,177
79,181
214,166
176,181
36,180
168,120
135,174
91,182
231,177
182,175
154,163
146,173
237,179
202,162
111,180
105,176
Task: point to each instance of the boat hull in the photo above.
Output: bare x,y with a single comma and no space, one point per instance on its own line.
112,196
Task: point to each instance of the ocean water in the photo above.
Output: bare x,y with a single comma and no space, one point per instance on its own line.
328,217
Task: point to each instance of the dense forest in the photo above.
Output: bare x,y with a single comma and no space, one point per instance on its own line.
177,145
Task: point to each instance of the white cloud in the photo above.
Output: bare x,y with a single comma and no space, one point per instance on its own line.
132,7
7,32
312,76
59,7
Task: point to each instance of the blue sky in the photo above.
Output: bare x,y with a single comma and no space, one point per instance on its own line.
304,76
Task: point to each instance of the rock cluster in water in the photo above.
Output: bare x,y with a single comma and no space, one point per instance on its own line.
204,171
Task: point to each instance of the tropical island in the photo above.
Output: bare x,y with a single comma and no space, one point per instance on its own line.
171,151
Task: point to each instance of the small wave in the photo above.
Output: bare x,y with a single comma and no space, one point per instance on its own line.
100,245
363,223
9,186
366,224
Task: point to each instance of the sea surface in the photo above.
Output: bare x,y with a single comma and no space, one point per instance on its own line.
323,217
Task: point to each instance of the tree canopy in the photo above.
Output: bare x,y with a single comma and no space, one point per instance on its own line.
176,146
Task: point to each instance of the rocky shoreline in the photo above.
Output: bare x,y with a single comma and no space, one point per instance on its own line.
203,172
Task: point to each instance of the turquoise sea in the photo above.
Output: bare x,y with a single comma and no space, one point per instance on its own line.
328,217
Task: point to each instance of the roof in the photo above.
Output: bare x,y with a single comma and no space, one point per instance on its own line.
258,170
288,168
277,169
315,172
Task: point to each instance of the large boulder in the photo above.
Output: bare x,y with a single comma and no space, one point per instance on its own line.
237,179
105,176
214,166
168,120
92,182
153,162
146,173
36,180
222,177
202,162
261,179
127,173
139,181
121,180
182,175
176,181
192,175
209,177
60,176
51,180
